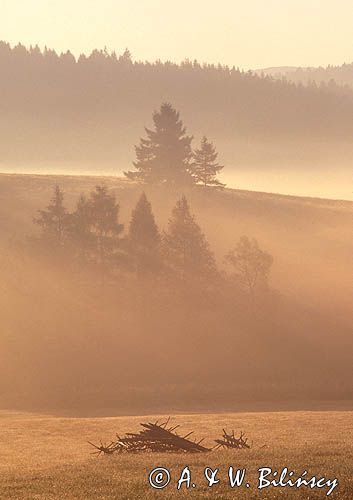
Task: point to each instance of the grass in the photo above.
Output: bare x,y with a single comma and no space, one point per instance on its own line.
288,227
47,457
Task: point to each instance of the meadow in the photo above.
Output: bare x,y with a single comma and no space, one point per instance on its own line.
65,345
47,457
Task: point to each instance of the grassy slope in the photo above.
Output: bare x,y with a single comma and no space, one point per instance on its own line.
46,457
311,239
312,244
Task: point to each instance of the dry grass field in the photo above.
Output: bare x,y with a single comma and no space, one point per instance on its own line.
47,457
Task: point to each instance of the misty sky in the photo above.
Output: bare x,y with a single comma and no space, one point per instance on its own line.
248,34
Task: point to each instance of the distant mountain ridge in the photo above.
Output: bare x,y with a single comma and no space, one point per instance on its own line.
341,75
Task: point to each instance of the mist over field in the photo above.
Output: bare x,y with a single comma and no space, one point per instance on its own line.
65,115
69,341
132,277
313,181
176,249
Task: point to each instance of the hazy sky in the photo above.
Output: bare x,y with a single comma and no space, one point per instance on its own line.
248,34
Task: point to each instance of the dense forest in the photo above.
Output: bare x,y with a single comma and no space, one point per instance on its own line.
90,110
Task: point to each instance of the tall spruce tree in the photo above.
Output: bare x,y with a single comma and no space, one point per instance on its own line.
81,239
165,156
144,239
53,220
185,247
205,167
104,225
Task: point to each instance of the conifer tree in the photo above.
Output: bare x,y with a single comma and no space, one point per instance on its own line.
185,247
104,226
144,238
205,167
126,58
53,220
165,156
80,235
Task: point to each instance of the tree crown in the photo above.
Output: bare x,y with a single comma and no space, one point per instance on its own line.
185,245
165,155
205,166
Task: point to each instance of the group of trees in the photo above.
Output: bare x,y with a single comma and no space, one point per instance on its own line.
57,107
166,155
92,235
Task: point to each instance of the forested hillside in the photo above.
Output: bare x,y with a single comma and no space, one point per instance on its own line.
55,108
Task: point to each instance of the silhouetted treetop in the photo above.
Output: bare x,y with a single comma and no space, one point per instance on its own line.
144,238
53,220
185,246
164,157
143,229
80,235
205,167
96,228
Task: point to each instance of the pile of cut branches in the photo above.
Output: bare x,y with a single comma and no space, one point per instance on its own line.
230,441
153,437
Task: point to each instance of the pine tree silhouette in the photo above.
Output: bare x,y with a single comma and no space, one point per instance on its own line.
165,156
205,167
80,236
144,238
185,247
104,225
54,220
126,58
